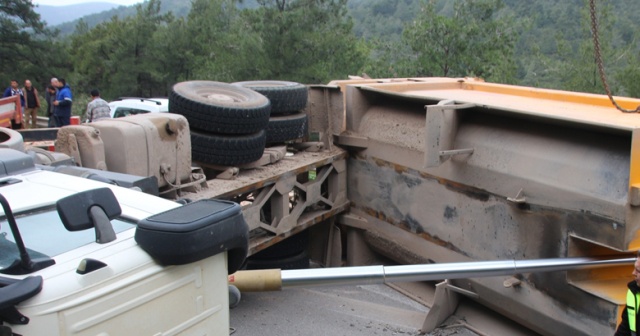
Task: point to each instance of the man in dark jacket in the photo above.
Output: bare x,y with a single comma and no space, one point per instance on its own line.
31,104
50,97
63,102
629,324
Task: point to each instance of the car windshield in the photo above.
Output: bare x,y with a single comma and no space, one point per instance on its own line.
126,111
44,235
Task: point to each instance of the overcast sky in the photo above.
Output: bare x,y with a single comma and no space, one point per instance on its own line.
73,2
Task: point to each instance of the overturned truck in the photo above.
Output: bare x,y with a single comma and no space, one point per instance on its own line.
440,170
444,170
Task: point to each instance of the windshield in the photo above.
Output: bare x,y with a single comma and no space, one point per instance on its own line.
44,235
126,111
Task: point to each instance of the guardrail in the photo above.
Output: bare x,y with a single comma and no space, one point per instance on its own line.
42,122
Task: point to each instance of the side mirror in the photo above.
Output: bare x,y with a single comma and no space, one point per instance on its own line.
90,209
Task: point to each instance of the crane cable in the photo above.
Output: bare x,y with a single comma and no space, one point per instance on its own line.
596,46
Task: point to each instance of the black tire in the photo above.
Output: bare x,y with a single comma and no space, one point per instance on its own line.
284,96
287,127
220,108
11,139
299,261
227,150
234,296
286,248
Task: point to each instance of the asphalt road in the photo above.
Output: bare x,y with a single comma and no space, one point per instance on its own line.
349,310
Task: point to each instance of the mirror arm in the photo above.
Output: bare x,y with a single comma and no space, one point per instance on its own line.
104,229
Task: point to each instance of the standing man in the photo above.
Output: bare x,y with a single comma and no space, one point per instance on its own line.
63,102
629,324
12,90
97,108
50,96
31,104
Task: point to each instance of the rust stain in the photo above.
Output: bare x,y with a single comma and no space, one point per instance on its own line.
406,227
400,169
472,192
440,242
378,214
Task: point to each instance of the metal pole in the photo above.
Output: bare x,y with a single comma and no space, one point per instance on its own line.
361,275
384,274
480,269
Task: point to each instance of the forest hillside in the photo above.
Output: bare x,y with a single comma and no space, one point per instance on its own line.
143,50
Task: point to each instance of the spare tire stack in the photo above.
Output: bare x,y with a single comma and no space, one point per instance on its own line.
227,122
288,99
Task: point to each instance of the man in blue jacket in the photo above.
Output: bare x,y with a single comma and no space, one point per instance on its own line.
62,104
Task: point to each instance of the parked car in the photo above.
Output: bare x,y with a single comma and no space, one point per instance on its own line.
131,106
83,257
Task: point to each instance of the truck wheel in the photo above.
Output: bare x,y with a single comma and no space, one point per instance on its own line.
284,96
288,247
220,108
11,139
298,261
227,150
234,296
287,127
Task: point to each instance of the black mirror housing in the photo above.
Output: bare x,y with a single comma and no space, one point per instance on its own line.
74,210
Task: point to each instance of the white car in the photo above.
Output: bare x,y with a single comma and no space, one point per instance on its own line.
81,257
131,106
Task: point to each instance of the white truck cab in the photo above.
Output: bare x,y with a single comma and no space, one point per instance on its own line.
106,260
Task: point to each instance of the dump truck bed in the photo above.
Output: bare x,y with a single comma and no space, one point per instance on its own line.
456,169
574,107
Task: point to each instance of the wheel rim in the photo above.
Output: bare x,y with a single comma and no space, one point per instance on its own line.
219,97
265,84
216,93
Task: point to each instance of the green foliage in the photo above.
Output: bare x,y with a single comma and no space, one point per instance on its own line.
565,61
223,46
27,49
17,18
552,45
179,8
473,41
629,78
80,102
389,59
120,57
143,55
145,49
174,53
382,19
308,41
